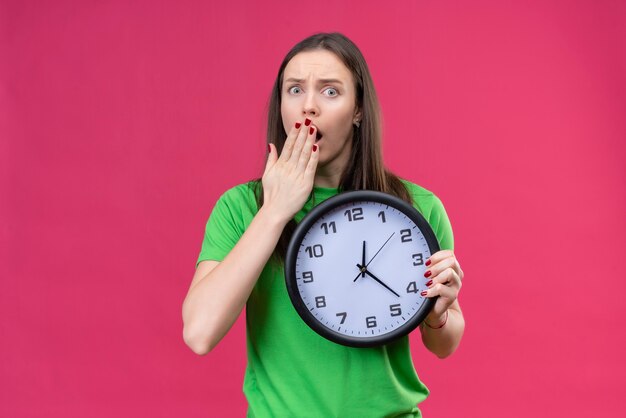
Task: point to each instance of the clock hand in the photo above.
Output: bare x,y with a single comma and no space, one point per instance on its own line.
380,249
376,278
362,274
363,259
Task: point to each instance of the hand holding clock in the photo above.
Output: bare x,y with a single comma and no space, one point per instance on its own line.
445,275
288,178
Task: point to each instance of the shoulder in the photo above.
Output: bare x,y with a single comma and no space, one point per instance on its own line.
231,215
431,207
416,188
422,197
238,204
235,208
243,193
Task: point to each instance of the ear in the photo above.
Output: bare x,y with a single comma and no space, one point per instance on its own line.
358,114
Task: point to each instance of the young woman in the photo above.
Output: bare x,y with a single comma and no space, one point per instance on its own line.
324,137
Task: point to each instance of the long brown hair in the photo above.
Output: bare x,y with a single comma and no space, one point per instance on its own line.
365,168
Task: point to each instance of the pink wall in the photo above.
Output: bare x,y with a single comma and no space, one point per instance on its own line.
122,122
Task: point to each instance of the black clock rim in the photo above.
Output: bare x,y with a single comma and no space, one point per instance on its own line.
291,256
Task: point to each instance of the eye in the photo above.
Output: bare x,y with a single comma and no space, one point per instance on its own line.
331,92
294,90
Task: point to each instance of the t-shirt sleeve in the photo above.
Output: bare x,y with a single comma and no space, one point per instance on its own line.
440,223
222,230
433,210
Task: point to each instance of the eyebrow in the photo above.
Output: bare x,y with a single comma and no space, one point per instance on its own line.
320,81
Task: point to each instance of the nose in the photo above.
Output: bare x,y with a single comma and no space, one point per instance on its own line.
310,107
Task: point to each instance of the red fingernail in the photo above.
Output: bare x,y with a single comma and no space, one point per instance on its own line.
311,130
298,125
307,122
428,263
269,148
428,283
427,274
423,293
314,147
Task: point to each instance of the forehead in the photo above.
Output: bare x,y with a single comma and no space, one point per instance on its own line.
316,64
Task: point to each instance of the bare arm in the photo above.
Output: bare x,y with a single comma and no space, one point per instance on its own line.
445,340
219,290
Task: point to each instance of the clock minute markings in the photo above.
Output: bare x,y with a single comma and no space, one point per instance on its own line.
312,253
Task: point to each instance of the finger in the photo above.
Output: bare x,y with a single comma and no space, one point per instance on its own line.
444,264
441,291
272,157
448,277
309,172
299,144
290,141
438,256
305,155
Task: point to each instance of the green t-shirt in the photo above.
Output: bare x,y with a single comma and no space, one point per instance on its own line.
291,370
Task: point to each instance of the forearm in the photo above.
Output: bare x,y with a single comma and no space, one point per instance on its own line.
214,303
445,340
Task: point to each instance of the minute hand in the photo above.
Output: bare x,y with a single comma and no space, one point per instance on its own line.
372,259
377,279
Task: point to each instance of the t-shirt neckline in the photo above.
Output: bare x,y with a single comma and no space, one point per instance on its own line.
325,192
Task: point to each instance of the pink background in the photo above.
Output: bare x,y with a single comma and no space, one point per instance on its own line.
121,123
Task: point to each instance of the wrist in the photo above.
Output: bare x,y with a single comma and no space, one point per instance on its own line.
435,321
272,217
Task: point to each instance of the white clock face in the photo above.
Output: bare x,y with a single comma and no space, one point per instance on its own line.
362,299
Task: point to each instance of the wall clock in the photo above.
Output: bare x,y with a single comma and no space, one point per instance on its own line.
355,267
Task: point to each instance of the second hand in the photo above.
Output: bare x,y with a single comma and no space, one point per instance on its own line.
372,259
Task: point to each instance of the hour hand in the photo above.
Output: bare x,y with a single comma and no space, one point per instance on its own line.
362,268
365,271
363,260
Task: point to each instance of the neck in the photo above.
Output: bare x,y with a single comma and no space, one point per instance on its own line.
328,176
323,181
329,173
